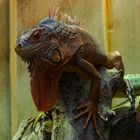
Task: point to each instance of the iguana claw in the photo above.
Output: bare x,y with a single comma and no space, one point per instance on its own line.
37,118
93,114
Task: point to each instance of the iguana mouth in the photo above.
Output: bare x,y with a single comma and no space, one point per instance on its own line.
45,51
31,49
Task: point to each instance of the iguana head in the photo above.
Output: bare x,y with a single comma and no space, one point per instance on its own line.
50,41
40,42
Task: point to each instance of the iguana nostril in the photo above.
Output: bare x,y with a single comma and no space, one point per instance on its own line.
19,45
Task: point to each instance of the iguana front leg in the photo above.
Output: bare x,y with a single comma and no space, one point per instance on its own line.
91,106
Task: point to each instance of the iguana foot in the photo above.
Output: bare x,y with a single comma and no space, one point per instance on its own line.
38,118
108,113
92,111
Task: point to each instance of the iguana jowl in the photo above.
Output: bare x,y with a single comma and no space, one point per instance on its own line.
54,46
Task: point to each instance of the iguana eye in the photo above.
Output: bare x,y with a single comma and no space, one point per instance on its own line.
36,35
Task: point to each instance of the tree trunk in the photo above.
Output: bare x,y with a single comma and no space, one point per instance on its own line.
74,91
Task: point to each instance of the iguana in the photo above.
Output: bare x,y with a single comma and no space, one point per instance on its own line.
56,46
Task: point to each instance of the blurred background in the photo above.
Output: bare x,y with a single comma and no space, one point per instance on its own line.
114,23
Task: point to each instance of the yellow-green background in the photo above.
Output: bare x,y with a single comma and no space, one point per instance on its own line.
114,23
